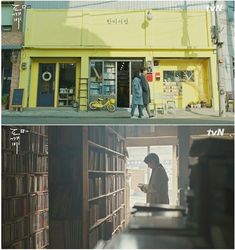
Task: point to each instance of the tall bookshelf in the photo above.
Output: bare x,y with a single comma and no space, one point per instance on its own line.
106,172
87,185
24,188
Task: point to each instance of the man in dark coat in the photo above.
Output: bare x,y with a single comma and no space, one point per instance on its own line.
157,189
146,91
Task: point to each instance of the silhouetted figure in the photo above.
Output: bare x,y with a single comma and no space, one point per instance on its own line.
157,189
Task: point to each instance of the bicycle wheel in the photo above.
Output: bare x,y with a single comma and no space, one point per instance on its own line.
92,105
111,108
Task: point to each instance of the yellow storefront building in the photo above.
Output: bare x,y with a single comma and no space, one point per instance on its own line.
79,55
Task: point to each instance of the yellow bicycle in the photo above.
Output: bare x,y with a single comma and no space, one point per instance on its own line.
100,103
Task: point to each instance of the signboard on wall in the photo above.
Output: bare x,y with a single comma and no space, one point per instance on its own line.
150,71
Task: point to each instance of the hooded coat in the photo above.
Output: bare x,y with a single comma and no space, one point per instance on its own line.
157,189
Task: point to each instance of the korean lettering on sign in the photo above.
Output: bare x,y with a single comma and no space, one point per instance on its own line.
15,137
17,13
117,20
149,71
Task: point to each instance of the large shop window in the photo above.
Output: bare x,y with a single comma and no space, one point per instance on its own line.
102,78
112,79
178,76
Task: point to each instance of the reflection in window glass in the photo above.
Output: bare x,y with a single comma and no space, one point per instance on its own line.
178,76
168,76
96,71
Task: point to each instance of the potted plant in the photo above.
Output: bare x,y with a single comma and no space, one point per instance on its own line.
203,104
4,101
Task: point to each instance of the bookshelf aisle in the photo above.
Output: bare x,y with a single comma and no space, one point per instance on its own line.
87,185
24,187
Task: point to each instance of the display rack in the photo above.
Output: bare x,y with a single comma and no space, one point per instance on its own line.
66,97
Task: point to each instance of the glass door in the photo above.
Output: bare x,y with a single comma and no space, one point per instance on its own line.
67,79
46,85
123,84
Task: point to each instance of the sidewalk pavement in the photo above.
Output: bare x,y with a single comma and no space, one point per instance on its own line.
119,113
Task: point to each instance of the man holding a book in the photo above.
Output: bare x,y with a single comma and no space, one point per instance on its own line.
157,189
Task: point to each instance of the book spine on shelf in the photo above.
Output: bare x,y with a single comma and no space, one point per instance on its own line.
14,231
39,239
14,185
38,183
14,208
38,221
114,182
96,186
37,163
38,202
97,210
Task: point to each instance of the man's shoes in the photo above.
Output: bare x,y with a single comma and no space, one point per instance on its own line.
151,116
141,116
